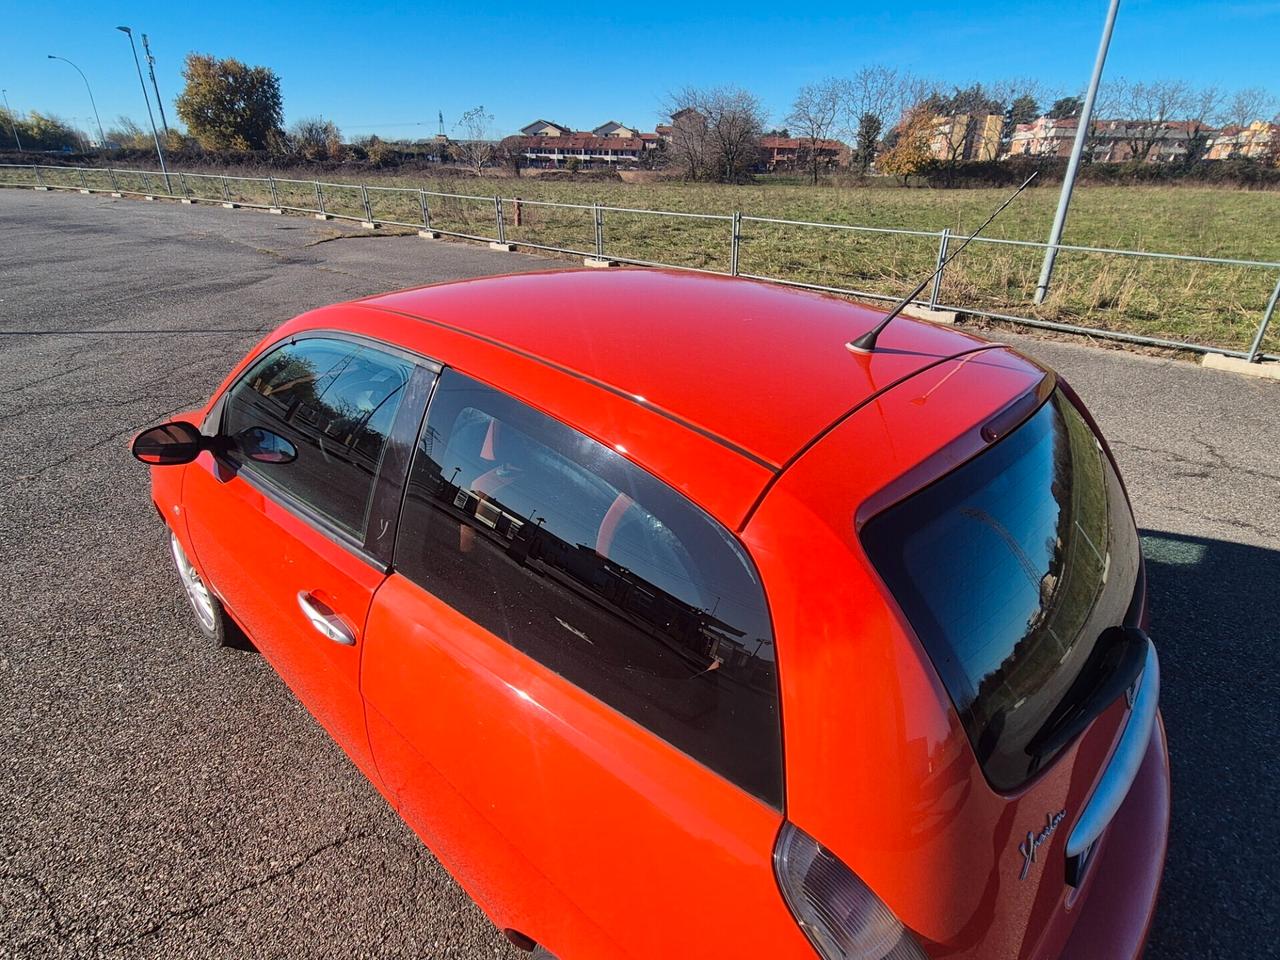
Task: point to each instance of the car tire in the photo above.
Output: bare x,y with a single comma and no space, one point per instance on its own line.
210,617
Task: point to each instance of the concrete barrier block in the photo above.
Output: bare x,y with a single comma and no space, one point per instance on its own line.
232,206
597,262
504,247
368,225
933,316
188,201
1266,369
43,189
147,196
118,196
274,210
83,190
429,234
323,216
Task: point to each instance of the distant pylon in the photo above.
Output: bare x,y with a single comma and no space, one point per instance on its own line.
440,131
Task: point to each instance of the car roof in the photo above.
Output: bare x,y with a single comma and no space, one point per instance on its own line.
761,366
755,370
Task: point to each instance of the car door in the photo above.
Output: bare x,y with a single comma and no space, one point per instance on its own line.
571,693
296,550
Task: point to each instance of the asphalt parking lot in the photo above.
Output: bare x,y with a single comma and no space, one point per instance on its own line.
160,798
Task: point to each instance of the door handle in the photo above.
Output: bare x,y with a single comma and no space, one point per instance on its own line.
326,622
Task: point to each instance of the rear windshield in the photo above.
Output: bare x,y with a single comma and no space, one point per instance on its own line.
1009,569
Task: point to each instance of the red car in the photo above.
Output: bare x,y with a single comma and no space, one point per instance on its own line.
677,629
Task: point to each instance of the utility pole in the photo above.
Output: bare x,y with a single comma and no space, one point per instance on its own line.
1073,165
13,121
150,116
151,67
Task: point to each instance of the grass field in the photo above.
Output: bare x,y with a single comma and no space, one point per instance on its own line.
1212,304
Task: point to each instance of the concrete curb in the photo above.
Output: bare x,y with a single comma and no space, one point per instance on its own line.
1265,370
597,262
933,316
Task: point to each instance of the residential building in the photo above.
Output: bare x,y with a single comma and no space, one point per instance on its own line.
614,129
1043,137
1256,141
546,144
967,137
789,153
545,128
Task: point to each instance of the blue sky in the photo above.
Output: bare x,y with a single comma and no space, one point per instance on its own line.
387,68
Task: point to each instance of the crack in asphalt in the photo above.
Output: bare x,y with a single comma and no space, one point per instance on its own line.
159,925
1219,461
57,927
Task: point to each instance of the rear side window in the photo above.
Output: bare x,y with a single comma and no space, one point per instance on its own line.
335,400
1010,569
563,548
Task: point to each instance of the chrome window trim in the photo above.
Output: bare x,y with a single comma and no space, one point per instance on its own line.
1126,761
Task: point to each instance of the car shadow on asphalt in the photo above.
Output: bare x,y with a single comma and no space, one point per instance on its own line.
1215,620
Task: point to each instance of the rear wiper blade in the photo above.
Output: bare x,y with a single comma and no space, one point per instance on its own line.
1113,666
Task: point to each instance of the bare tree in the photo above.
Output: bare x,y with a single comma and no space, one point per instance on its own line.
690,134
1247,105
716,132
814,114
1146,112
876,98
1202,111
476,149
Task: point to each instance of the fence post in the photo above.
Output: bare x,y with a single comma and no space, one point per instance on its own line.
502,225
182,182
146,183
35,168
368,211
936,291
84,183
599,220
226,191
115,184
735,242
426,210
518,211
319,197
275,194
1255,351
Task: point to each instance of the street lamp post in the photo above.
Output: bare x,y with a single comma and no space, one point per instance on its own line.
13,122
102,138
1082,134
150,116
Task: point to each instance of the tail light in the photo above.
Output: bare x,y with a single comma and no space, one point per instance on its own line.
837,911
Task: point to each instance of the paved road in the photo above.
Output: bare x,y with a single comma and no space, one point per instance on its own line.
163,799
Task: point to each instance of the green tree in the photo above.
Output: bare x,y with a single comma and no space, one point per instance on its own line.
869,128
1064,108
228,105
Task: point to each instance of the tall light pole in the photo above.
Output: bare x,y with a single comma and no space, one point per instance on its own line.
151,68
150,115
1077,148
102,138
13,122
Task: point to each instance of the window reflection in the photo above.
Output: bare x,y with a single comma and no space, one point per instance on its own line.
335,400
563,548
1010,569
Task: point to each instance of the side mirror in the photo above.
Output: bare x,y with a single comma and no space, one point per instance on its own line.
168,444
263,446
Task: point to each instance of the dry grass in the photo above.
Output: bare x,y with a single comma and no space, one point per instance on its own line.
1213,304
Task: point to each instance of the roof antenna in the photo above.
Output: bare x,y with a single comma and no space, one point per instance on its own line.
867,342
